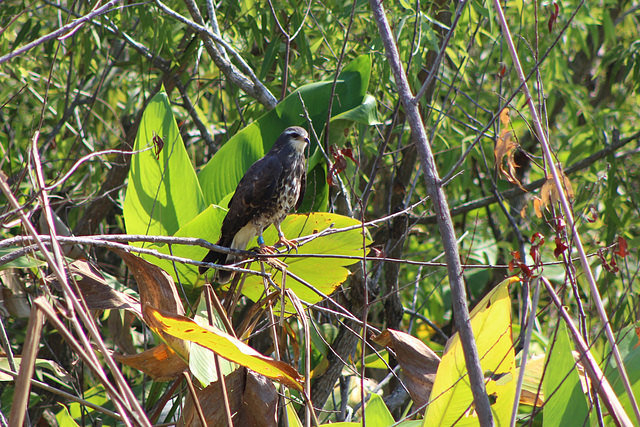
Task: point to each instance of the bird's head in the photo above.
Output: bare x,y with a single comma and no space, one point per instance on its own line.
295,138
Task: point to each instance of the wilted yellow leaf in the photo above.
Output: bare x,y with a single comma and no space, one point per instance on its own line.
225,345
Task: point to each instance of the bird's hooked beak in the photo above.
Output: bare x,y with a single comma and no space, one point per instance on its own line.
300,143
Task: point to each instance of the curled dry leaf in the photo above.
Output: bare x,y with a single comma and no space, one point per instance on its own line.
156,287
160,362
549,192
253,401
505,149
418,362
97,293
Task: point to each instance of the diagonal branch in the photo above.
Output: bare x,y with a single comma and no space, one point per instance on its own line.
566,208
447,233
244,78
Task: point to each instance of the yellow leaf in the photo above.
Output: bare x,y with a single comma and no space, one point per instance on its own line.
452,400
504,117
537,206
326,274
225,345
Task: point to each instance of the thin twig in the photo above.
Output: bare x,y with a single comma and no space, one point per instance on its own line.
566,208
72,26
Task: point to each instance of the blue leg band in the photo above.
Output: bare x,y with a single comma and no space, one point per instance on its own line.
260,240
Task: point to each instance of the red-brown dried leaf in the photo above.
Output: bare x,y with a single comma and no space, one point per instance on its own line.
623,250
560,223
502,70
553,17
526,271
340,162
593,214
610,267
158,145
560,247
349,153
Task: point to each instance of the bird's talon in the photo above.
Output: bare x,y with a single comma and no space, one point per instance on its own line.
290,244
267,249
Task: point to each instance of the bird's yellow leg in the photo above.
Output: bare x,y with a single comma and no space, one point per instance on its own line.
290,244
264,248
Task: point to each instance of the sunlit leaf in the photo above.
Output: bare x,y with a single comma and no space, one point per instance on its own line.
452,400
325,274
565,402
223,344
163,192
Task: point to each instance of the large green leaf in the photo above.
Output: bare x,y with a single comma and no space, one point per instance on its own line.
565,403
325,274
206,226
452,400
163,192
223,172
628,344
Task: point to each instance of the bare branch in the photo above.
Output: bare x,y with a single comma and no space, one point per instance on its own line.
566,208
248,81
447,233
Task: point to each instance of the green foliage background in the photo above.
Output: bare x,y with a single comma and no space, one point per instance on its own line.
86,92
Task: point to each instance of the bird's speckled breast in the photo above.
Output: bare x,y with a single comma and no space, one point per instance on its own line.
285,195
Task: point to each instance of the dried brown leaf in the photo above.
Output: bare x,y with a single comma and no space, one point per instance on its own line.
96,291
252,399
505,149
155,285
418,362
160,362
549,191
157,288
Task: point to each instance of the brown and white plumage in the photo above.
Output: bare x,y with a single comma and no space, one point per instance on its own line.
269,189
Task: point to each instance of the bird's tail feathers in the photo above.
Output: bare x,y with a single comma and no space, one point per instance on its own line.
221,276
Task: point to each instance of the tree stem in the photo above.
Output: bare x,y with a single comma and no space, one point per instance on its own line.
447,233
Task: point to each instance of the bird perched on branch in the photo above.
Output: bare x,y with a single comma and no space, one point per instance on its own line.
269,189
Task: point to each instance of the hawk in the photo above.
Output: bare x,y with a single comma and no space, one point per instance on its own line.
269,189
